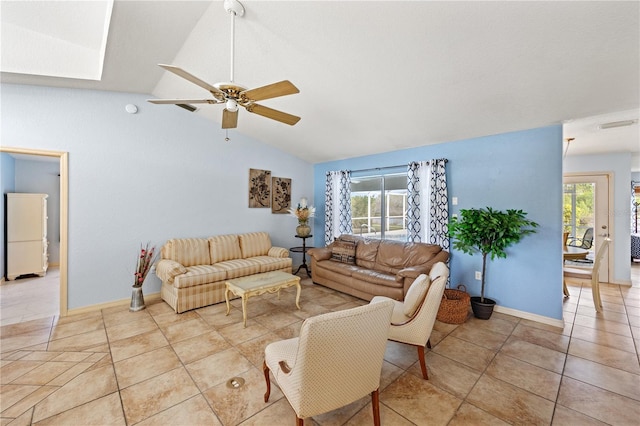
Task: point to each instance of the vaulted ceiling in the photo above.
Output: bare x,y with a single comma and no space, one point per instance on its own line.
373,76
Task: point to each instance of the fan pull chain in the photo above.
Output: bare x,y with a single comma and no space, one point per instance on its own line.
226,132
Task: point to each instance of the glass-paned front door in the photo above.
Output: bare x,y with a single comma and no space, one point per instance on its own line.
579,214
586,217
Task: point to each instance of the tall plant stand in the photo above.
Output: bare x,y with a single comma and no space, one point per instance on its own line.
303,249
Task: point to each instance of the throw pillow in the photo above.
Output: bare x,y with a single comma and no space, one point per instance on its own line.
416,294
344,251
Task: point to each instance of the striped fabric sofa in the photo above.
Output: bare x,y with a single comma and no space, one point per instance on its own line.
194,270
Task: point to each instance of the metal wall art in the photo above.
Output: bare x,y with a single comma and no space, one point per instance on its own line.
280,195
259,188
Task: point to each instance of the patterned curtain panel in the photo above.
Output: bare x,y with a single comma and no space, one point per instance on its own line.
438,204
634,207
417,183
428,203
337,212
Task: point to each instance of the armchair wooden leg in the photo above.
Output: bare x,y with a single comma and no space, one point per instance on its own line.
423,364
266,378
595,291
299,421
375,403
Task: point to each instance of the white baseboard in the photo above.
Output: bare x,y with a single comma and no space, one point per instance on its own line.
152,297
529,316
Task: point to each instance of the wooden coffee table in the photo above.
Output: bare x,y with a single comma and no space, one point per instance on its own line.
254,285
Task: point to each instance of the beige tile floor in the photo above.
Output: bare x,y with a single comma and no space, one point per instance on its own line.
154,367
27,299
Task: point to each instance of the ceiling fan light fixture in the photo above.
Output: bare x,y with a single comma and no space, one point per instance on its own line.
231,105
614,124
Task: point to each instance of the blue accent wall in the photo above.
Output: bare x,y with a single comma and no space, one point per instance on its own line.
518,170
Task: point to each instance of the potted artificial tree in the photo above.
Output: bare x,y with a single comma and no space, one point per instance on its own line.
488,232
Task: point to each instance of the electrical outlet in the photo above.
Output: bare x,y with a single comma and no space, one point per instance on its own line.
478,275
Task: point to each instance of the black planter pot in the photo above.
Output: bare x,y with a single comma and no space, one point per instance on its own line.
482,310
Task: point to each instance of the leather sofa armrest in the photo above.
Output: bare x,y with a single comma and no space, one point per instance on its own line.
167,270
278,252
320,253
412,272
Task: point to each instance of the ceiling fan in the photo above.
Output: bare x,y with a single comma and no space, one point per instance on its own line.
232,94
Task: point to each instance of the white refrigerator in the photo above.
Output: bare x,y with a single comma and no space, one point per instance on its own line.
26,236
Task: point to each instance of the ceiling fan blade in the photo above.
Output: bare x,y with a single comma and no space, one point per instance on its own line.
192,78
229,119
273,114
183,101
282,88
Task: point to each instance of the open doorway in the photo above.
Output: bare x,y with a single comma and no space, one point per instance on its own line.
63,214
586,207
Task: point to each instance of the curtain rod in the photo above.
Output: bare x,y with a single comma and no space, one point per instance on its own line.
385,168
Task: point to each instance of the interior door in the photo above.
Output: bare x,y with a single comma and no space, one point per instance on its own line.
586,204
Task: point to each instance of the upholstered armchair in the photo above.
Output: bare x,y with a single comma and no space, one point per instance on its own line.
336,360
413,319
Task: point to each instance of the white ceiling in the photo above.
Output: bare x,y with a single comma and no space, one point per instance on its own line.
387,75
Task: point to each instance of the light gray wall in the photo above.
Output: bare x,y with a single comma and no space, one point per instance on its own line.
7,184
158,174
619,164
40,177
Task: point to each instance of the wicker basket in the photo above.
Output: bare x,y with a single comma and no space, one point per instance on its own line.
454,307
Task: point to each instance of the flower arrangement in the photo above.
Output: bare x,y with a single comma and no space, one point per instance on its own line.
145,259
303,212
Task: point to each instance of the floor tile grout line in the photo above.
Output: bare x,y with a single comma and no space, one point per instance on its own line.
571,338
484,372
113,366
182,365
566,356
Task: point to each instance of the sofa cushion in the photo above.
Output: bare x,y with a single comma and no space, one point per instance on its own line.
224,247
239,267
421,253
187,251
342,268
375,277
415,295
200,274
366,252
268,263
254,244
344,251
392,256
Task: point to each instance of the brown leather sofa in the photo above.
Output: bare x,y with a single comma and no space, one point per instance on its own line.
377,268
